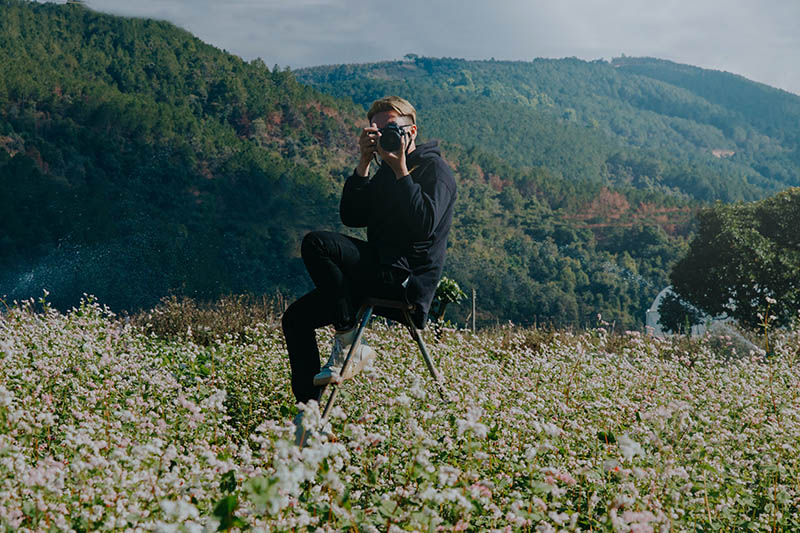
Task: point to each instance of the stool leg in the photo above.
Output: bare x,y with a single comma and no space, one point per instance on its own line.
365,314
424,350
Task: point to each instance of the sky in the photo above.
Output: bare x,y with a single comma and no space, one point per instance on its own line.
758,39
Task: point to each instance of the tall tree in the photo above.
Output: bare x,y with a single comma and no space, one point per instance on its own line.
745,261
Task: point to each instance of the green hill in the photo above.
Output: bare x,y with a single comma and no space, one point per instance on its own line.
137,161
644,122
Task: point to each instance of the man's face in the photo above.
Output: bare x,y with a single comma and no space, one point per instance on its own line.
384,118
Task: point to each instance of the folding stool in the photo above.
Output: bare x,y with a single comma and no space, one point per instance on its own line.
364,315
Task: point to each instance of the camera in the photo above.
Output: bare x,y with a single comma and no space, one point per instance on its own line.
392,137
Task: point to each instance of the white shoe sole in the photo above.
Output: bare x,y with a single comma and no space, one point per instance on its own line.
326,379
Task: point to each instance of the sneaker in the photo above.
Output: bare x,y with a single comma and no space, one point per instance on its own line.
342,341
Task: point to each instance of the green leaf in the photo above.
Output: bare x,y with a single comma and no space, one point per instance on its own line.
388,508
228,482
261,490
707,467
541,488
224,512
606,437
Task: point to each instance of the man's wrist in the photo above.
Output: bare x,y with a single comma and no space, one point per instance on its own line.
362,170
400,171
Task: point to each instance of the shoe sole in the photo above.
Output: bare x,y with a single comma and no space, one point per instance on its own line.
327,380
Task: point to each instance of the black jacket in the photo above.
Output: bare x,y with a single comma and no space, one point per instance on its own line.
407,219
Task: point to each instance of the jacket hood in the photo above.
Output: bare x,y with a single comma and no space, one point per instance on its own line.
425,149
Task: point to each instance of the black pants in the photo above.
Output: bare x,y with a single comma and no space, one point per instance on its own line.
344,270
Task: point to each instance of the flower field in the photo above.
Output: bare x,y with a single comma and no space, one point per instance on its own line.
104,427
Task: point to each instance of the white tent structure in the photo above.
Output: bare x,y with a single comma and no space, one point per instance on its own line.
720,326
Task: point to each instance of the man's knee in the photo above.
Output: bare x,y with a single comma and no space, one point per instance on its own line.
315,244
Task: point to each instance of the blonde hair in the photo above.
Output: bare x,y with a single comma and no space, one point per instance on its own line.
393,103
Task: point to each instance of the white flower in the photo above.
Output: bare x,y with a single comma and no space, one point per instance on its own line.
471,423
6,348
6,397
215,402
403,399
179,511
629,448
551,430
558,518
531,452
544,527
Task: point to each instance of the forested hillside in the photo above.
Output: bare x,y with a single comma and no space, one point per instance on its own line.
673,133
137,161
649,123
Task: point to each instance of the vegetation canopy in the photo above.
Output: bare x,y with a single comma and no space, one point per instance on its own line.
138,162
744,261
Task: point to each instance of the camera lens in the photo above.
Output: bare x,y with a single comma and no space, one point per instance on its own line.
391,138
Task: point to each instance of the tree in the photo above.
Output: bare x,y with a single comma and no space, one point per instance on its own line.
743,255
676,316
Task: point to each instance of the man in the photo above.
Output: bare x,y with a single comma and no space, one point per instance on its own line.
407,208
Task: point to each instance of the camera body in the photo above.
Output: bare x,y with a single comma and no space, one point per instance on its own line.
391,138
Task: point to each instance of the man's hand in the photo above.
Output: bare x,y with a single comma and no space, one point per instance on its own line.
397,160
367,144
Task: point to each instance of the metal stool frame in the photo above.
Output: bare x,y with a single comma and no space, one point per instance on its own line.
365,314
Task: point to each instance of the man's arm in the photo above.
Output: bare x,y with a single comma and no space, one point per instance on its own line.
353,207
421,204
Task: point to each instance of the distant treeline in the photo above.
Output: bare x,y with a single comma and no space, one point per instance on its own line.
137,161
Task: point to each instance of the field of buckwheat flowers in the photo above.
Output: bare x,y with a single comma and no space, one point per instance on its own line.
104,426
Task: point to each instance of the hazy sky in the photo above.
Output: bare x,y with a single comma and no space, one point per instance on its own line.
759,39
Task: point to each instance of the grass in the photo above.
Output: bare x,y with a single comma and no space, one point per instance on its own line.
115,424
